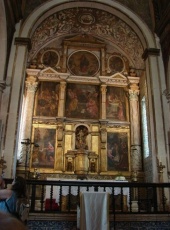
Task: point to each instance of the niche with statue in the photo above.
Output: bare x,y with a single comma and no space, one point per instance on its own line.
81,160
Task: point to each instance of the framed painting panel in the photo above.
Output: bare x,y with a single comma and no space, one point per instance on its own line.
82,101
115,64
116,104
47,99
43,152
118,151
50,58
83,63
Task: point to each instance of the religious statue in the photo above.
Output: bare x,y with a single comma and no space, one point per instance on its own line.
81,134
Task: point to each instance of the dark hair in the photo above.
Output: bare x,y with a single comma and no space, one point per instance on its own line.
19,187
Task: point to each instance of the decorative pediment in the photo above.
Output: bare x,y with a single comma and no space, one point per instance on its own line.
48,70
50,73
118,76
117,79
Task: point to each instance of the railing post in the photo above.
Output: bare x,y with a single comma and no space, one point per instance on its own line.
33,198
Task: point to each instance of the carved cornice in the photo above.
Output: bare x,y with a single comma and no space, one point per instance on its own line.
32,72
150,51
52,75
23,42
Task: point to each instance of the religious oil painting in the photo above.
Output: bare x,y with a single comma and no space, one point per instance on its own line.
116,104
83,63
82,101
47,99
117,151
50,58
43,153
116,64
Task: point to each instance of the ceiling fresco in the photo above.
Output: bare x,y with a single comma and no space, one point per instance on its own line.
98,23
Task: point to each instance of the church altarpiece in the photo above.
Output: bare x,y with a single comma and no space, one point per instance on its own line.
82,111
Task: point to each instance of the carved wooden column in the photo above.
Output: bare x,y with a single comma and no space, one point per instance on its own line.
103,155
61,104
59,165
136,159
31,87
103,101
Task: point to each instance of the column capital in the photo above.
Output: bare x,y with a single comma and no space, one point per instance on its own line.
63,85
31,83
103,89
133,95
133,82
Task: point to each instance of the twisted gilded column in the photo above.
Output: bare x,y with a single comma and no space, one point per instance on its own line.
136,159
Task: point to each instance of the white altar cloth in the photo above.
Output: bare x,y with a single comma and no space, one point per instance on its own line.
94,211
74,189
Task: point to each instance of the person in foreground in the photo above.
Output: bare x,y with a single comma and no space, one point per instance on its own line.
8,222
8,197
2,183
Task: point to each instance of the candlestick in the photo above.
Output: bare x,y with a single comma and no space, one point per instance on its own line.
3,153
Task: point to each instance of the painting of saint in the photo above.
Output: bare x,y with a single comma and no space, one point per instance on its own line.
43,156
117,151
82,101
83,63
116,104
47,99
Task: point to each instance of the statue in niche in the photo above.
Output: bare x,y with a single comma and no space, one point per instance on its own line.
81,136
69,166
92,166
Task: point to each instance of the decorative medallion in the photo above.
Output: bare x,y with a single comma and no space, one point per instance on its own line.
50,58
86,19
115,64
83,63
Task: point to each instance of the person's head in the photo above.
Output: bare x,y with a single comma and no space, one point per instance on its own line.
8,222
19,186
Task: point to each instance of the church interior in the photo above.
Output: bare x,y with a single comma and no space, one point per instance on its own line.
85,90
